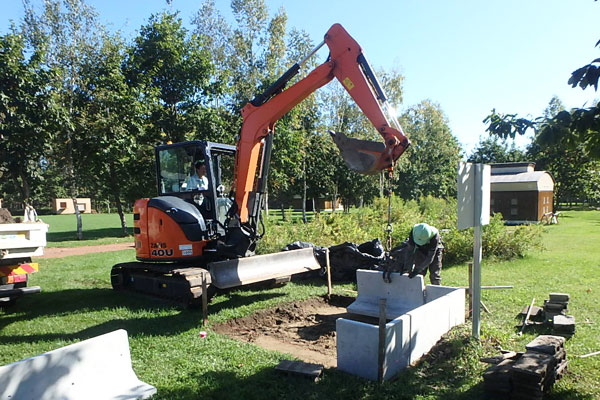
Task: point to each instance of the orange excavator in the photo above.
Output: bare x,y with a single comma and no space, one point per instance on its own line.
207,227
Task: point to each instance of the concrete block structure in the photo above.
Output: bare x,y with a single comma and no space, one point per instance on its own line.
418,317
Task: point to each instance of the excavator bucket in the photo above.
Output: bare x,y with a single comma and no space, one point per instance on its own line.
361,156
277,266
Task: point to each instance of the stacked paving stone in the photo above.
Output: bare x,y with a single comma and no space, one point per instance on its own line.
527,375
555,313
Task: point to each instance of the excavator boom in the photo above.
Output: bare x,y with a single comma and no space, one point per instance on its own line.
349,66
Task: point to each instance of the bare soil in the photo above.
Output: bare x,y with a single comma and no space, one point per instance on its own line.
57,252
5,216
303,329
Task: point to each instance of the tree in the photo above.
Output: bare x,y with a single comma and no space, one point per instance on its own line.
574,171
174,70
24,101
495,150
68,29
114,112
429,167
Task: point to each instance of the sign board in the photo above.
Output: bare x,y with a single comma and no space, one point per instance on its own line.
473,194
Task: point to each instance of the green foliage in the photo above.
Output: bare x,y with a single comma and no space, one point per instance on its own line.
174,71
24,102
429,166
495,150
367,223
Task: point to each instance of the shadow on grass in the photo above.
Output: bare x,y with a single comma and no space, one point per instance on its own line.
435,379
88,234
81,301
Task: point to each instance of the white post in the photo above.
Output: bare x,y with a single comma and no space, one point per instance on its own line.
473,189
476,281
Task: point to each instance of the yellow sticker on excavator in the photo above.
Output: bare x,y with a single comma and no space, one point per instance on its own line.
348,83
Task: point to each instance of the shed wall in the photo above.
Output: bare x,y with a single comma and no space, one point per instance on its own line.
522,206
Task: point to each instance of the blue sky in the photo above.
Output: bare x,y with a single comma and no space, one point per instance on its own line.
467,55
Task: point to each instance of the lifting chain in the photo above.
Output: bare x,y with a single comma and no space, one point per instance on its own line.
388,192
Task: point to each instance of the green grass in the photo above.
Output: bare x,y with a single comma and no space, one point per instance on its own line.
77,303
97,229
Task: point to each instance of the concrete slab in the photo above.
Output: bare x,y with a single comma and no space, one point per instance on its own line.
402,294
97,368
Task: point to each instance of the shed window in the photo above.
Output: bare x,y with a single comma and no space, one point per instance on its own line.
514,211
514,202
63,204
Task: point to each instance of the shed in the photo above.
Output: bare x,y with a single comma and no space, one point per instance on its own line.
65,206
520,193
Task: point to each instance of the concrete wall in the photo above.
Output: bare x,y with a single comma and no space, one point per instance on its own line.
407,336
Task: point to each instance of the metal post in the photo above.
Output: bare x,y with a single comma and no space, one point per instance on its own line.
381,345
470,311
204,300
328,273
477,254
477,282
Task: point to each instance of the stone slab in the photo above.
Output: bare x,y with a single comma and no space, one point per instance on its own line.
548,344
96,368
402,294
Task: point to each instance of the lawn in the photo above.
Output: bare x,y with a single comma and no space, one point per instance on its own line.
77,303
97,229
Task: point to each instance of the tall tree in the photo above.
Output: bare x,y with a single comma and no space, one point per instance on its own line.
429,168
115,113
174,69
69,30
24,102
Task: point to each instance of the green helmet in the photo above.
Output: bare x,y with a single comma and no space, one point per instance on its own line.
423,233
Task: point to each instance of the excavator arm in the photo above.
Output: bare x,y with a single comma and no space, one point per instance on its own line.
348,65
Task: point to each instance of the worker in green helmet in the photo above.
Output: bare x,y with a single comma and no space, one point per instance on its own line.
424,252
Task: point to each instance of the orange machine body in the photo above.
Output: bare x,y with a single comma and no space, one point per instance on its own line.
159,238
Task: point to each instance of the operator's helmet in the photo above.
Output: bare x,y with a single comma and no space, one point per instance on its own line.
423,233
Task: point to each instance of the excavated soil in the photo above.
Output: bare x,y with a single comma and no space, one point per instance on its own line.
5,217
303,329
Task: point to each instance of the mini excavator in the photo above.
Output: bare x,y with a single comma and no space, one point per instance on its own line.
189,234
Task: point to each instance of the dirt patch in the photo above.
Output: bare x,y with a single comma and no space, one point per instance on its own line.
5,216
303,329
57,252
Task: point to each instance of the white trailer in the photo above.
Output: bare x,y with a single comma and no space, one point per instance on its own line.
18,243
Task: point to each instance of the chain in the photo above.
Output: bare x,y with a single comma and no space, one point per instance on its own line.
389,228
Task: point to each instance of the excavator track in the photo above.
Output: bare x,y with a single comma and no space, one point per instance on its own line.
176,282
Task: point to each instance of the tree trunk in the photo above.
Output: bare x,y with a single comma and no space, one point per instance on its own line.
25,188
334,199
78,217
267,203
117,195
121,216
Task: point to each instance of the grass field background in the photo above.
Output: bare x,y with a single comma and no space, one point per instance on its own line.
77,303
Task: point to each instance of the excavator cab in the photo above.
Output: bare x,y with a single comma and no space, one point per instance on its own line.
207,188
